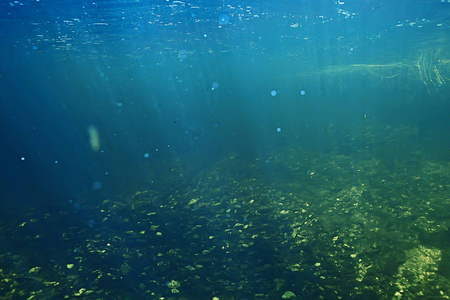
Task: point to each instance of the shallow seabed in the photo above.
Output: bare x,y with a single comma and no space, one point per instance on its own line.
344,225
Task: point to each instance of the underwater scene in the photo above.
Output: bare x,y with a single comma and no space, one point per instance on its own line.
225,149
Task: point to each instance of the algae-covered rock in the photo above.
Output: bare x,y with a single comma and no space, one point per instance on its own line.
288,295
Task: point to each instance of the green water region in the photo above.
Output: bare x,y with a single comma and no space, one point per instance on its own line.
292,225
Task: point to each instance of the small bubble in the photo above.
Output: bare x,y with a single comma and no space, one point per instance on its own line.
278,129
273,93
302,93
224,19
97,185
147,155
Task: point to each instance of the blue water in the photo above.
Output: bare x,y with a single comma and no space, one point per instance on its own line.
122,117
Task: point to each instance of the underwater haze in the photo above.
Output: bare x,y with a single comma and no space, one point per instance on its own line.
159,149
